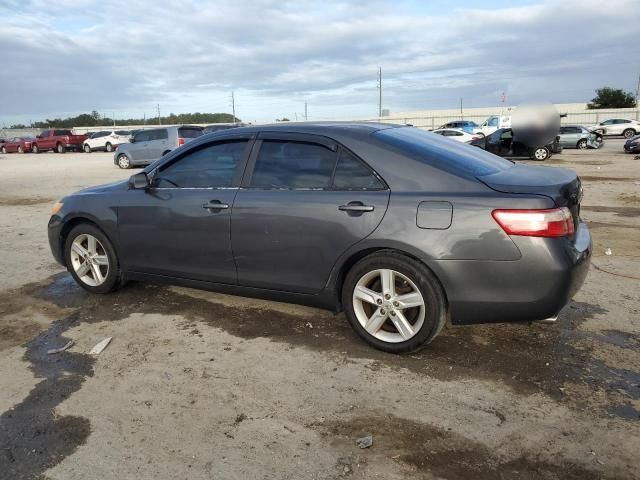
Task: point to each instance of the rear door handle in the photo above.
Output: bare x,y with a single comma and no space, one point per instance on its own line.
356,207
215,205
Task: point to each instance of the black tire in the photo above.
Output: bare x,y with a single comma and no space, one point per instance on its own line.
108,147
20,149
60,148
4,150
540,154
628,133
123,161
113,279
86,148
582,144
436,312
35,149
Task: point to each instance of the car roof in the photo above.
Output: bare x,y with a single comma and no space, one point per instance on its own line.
317,128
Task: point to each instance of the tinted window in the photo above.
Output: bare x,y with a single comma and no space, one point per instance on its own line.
122,132
432,150
352,174
160,134
142,137
493,122
440,132
284,164
62,132
189,132
208,167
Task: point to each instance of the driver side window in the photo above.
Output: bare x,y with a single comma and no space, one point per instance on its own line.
213,166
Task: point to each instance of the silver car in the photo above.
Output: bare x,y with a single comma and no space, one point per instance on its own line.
577,136
147,146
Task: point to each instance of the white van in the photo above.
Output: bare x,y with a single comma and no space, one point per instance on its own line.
493,123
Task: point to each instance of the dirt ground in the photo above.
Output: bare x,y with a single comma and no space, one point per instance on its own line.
198,385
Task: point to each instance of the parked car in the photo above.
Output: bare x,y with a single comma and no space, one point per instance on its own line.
17,144
617,126
401,228
632,145
503,143
106,140
456,134
147,146
464,125
58,140
577,136
493,123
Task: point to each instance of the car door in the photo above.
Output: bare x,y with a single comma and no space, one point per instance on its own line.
180,226
140,144
158,144
305,200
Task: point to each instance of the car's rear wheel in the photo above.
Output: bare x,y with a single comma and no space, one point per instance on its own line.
123,161
35,149
86,148
108,147
582,144
60,148
540,154
393,302
91,259
628,133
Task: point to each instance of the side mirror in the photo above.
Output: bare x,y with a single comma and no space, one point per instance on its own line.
139,181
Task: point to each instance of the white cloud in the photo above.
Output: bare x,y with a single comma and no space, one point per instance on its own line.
117,55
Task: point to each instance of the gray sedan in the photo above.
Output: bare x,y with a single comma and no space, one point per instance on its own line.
577,136
400,228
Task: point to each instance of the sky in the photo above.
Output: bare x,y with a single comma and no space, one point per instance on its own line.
123,58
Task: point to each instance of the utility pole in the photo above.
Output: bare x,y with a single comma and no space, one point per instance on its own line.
233,106
144,118
114,118
638,92
305,112
379,92
158,107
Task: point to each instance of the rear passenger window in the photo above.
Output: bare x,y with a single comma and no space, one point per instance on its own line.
287,164
352,174
189,132
159,134
213,166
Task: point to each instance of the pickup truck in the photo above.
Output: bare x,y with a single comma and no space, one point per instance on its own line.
58,140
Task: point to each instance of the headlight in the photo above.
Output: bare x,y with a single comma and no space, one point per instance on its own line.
56,208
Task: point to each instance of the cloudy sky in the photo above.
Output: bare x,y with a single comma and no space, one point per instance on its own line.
123,57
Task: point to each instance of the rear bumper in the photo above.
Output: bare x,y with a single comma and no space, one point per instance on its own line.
535,287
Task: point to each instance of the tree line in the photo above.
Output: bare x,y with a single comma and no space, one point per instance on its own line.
94,119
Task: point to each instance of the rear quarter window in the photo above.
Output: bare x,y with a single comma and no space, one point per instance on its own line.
185,132
438,152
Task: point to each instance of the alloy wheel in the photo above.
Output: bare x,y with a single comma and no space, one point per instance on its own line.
540,154
87,148
389,305
89,260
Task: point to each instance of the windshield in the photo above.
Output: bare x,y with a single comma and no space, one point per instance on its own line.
442,153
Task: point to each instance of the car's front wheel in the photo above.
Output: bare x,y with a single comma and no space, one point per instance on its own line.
60,148
628,133
394,302
20,149
108,147
4,150
91,259
86,148
540,154
582,144
35,149
123,161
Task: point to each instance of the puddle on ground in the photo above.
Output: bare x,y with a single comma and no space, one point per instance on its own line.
526,358
441,453
620,211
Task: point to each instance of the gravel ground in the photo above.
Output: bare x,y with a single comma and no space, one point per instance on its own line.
198,385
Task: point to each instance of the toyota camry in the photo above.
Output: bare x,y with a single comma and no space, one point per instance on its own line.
400,228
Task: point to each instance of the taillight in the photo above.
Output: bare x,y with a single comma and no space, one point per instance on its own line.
552,222
180,141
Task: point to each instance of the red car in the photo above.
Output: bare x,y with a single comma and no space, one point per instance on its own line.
17,144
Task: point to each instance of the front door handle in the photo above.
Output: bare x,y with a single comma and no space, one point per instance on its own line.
215,205
356,207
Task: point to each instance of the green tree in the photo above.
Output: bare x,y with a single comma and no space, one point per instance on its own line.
607,97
